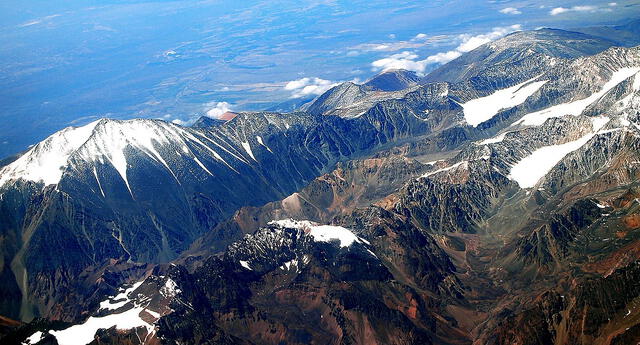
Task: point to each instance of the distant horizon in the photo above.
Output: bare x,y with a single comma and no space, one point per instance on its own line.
69,64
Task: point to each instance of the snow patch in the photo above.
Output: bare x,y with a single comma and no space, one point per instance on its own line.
529,170
34,338
245,264
137,311
291,263
108,305
481,109
327,233
576,107
124,295
170,289
84,333
322,233
201,165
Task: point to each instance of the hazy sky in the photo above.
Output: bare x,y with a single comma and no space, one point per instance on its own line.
68,62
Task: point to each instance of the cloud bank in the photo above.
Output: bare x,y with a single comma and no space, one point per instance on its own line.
308,86
418,41
218,108
582,8
410,61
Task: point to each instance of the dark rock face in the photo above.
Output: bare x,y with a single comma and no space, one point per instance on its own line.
339,96
548,243
393,80
281,284
455,205
582,316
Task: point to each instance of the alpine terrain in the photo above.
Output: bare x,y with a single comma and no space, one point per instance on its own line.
495,200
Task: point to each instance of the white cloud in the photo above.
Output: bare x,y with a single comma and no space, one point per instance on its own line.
559,10
445,57
420,36
404,60
510,10
409,60
308,86
218,108
38,21
470,43
180,122
583,8
613,4
212,109
31,22
99,27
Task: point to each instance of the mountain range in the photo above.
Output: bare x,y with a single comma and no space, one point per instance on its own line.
492,201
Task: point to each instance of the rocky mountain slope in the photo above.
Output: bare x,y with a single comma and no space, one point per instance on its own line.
520,52
478,209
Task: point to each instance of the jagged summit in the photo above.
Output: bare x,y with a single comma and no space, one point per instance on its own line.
102,141
206,121
339,96
392,80
44,162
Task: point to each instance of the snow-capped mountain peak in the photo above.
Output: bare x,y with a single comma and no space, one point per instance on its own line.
45,161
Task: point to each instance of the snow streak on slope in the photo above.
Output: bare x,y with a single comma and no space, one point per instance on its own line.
497,139
464,163
46,161
247,148
481,109
34,338
111,139
529,170
577,107
261,142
